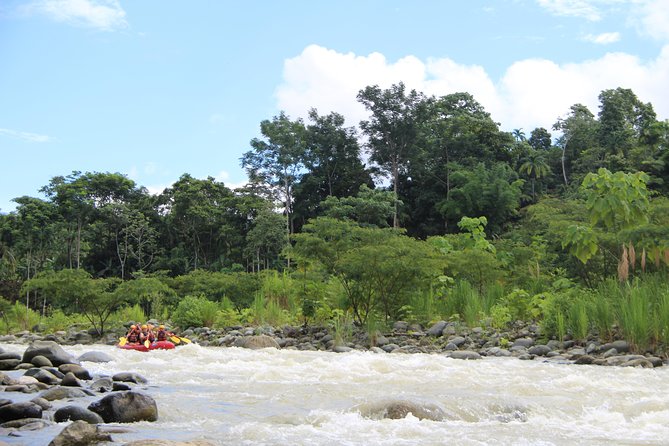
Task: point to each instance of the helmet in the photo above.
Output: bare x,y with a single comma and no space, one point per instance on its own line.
133,326
144,327
162,327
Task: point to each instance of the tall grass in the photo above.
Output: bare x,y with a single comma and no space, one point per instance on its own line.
579,322
634,317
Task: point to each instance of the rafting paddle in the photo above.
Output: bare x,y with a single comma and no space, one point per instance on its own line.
122,341
175,339
147,343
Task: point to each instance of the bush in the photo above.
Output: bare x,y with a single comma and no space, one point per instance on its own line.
195,311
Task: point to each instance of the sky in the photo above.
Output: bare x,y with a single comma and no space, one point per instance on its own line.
153,89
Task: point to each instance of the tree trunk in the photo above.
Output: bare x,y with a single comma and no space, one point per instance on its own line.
396,174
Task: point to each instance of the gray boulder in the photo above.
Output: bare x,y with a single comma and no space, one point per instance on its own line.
73,413
69,380
539,350
61,393
397,410
95,356
17,411
126,407
130,377
102,385
79,433
256,342
41,361
437,329
43,376
50,350
76,370
9,364
465,354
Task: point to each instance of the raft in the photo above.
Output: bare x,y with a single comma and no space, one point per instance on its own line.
158,345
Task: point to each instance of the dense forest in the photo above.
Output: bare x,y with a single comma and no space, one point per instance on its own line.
424,211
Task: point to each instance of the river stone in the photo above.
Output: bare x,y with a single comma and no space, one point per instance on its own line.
76,370
610,352
43,376
95,356
256,342
27,424
397,410
102,385
16,411
130,377
523,342
388,348
640,362
168,443
5,379
69,380
457,340
465,354
61,393
9,355
584,359
497,351
341,349
620,346
539,350
437,329
9,364
41,361
450,347
50,350
74,413
79,433
118,385
41,402
620,360
126,407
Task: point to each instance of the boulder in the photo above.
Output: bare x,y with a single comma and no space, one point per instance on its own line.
43,376
41,361
50,350
69,380
73,413
539,350
102,385
61,393
9,364
168,443
17,411
95,356
437,329
465,354
126,407
130,377
76,370
79,433
256,342
9,355
397,410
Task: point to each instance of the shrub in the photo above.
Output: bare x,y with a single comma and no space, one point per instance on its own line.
195,311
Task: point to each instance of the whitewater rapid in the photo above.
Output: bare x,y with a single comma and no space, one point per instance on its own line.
233,396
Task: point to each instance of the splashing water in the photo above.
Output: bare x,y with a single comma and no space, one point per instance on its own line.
231,396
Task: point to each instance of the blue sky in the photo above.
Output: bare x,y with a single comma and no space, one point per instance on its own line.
154,88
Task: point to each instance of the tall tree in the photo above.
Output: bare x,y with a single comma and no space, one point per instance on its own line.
391,129
579,133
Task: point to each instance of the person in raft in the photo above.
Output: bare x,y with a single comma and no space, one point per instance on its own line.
133,334
146,334
163,334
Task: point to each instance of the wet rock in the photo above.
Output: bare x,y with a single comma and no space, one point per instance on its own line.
584,359
41,361
61,393
9,364
69,380
73,413
497,351
388,348
465,354
102,385
168,443
50,350
620,360
620,346
79,433
118,386
341,349
657,362
130,377
41,402
397,410
539,350
16,411
126,407
256,342
77,370
437,329
610,352
95,356
457,340
27,424
639,362
5,379
9,355
450,347
43,376
523,342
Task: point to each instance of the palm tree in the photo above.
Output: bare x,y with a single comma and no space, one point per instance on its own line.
519,135
535,167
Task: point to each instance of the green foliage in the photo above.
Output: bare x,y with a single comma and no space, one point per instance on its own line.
195,311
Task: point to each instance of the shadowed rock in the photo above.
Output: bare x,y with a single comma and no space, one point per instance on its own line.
50,350
396,410
126,407
256,342
79,433
16,411
75,413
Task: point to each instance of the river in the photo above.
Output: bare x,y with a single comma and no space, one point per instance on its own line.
232,396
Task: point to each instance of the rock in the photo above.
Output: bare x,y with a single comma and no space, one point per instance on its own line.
584,359
620,346
61,393
523,342
95,356
465,354
437,329
102,385
657,362
69,380
49,349
79,433
126,407
41,402
9,355
256,342
397,410
27,424
497,351
390,347
83,338
539,350
77,370
130,377
41,361
5,379
639,362
168,443
610,352
450,347
341,349
118,386
9,364
43,376
16,411
457,340
74,413
620,360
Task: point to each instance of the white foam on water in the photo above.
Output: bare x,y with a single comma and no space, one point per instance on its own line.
233,396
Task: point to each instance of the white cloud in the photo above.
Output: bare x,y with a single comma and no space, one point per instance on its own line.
651,18
104,15
531,93
25,136
575,8
603,38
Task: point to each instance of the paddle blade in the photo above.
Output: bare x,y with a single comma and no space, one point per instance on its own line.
175,339
186,340
122,341
147,343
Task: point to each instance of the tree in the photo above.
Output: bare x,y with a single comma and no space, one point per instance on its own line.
540,139
278,161
370,207
535,167
266,240
391,129
579,131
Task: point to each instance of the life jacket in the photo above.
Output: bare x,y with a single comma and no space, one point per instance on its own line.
162,335
133,336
